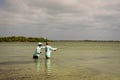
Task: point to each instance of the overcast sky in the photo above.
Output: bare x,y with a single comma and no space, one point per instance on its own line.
61,19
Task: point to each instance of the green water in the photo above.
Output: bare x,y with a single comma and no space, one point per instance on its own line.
72,61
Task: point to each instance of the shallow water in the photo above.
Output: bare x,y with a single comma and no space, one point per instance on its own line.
72,61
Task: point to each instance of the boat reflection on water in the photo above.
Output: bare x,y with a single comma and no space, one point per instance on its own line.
48,66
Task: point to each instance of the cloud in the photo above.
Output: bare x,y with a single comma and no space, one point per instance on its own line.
33,11
62,17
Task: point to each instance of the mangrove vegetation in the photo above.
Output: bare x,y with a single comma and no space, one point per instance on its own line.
22,39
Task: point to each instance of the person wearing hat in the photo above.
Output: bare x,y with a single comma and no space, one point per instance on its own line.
38,51
48,50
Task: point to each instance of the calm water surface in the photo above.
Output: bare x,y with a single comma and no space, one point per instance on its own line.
72,61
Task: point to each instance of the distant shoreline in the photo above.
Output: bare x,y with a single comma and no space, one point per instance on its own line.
85,41
22,39
42,39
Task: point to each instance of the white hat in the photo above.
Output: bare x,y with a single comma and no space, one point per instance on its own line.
39,43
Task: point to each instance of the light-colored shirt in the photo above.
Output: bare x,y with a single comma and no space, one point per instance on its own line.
48,50
38,50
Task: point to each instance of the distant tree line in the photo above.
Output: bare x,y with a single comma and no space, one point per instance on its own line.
86,40
22,39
